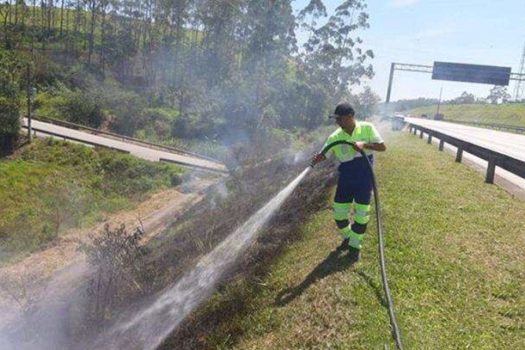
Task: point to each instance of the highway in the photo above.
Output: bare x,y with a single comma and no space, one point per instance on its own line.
44,129
512,145
507,143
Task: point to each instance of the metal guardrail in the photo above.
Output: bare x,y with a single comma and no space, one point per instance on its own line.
493,158
517,129
121,137
222,172
47,132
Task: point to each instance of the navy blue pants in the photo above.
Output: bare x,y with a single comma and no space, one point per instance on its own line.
355,182
354,190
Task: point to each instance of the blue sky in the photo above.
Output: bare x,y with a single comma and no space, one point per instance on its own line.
487,32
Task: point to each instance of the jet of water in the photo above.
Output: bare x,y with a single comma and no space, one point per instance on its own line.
148,327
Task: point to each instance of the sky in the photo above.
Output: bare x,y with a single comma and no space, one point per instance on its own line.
489,32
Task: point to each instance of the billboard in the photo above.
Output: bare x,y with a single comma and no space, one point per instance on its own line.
471,73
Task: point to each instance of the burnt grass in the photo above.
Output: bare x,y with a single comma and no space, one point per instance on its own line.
202,227
216,217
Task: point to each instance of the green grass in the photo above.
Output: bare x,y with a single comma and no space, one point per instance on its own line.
455,260
50,186
510,114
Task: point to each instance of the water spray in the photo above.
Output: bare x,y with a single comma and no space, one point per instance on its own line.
149,326
382,261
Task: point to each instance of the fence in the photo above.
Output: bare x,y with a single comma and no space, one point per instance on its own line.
83,141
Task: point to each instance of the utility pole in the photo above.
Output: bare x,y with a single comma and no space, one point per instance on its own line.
520,86
29,102
439,102
389,89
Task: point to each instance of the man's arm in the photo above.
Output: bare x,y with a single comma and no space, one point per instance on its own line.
380,147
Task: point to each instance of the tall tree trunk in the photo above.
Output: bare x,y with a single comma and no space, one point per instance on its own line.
92,29
61,18
8,14
103,41
16,13
49,16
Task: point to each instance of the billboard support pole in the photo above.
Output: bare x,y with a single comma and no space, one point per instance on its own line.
439,102
390,80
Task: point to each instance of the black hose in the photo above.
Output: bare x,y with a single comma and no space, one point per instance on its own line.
382,261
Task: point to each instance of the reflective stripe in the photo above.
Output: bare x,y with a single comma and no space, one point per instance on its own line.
361,212
354,242
363,207
346,232
342,205
363,220
355,239
339,216
341,210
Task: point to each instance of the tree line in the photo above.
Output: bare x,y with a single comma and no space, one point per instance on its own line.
225,66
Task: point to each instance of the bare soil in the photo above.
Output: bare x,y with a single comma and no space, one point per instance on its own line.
25,282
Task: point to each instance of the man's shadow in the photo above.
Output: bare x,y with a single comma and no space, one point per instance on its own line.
336,261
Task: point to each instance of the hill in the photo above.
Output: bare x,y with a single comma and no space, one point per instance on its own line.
510,114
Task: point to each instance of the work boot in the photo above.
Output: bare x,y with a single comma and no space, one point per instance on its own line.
343,246
353,254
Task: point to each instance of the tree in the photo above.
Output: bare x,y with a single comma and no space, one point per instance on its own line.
464,98
498,94
366,103
11,68
333,55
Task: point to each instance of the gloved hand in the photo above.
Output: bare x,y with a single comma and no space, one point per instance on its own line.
358,146
319,157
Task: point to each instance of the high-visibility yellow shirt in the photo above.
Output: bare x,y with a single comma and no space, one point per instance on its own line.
363,131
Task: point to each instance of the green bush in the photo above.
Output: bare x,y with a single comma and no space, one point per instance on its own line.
11,70
82,108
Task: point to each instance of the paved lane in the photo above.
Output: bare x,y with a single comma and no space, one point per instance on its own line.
134,149
507,143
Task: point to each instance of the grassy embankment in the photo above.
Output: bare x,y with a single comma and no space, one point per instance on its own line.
50,186
510,114
455,258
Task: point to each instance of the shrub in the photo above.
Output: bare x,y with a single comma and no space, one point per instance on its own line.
116,256
82,108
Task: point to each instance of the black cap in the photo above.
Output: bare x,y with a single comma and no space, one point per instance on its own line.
342,109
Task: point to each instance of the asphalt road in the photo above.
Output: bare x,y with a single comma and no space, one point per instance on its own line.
134,149
506,143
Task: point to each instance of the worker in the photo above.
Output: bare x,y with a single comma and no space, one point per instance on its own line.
354,186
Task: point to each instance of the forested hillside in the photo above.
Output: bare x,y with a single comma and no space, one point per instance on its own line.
177,71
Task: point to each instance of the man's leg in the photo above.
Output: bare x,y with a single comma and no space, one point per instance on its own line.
361,216
341,211
342,205
358,229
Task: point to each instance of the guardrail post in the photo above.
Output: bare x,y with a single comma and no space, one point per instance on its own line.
421,135
459,155
429,139
415,130
491,171
441,145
